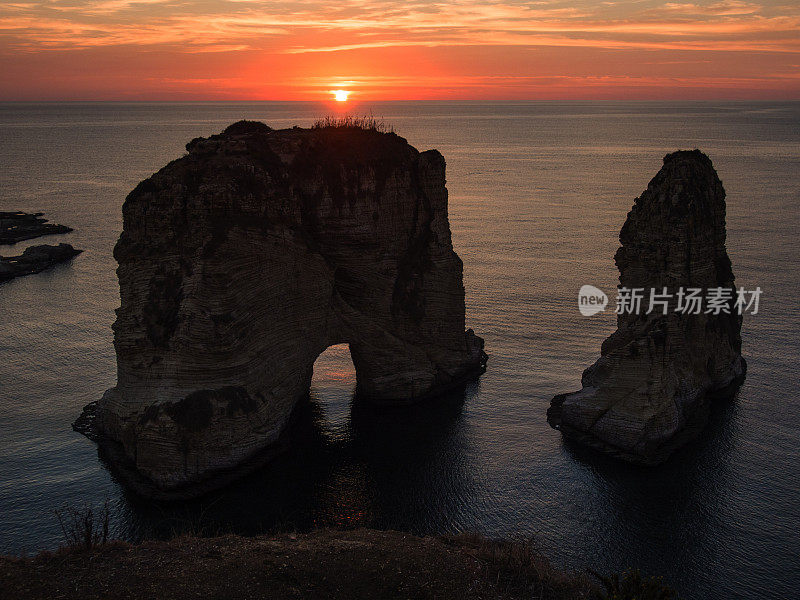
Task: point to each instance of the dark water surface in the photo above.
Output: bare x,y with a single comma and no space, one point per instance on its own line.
538,193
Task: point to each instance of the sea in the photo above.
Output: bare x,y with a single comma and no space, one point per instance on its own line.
537,195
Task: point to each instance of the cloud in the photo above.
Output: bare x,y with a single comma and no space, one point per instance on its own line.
312,33
288,27
729,8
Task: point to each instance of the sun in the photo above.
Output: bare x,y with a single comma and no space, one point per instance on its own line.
340,95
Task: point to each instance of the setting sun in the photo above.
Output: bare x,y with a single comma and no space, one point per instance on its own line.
340,95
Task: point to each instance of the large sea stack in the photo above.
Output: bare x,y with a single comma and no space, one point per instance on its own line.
651,389
244,260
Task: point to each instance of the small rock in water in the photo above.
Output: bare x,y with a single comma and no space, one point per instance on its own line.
34,260
17,226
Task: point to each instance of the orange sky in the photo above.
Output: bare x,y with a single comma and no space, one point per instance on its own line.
391,50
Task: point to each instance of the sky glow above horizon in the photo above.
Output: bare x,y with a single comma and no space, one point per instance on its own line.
391,50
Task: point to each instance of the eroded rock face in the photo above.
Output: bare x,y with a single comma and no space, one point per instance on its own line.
244,260
651,389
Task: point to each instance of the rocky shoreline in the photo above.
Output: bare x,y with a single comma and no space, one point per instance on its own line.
34,260
17,226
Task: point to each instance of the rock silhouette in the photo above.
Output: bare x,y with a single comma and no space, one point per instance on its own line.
35,259
17,226
651,389
240,263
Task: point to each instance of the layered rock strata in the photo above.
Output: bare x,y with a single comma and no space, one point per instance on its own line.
651,388
34,260
244,260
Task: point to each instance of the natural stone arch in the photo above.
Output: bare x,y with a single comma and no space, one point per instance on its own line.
240,263
335,366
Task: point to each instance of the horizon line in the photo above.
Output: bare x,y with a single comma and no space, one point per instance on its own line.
384,101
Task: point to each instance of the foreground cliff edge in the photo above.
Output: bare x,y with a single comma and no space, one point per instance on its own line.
325,563
651,389
241,262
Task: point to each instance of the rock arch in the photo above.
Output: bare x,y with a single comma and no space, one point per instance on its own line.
241,262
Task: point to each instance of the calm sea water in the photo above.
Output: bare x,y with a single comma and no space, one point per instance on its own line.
538,193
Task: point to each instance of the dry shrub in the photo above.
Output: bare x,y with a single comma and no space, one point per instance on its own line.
367,123
82,527
632,585
518,568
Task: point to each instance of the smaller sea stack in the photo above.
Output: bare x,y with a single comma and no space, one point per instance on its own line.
651,389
